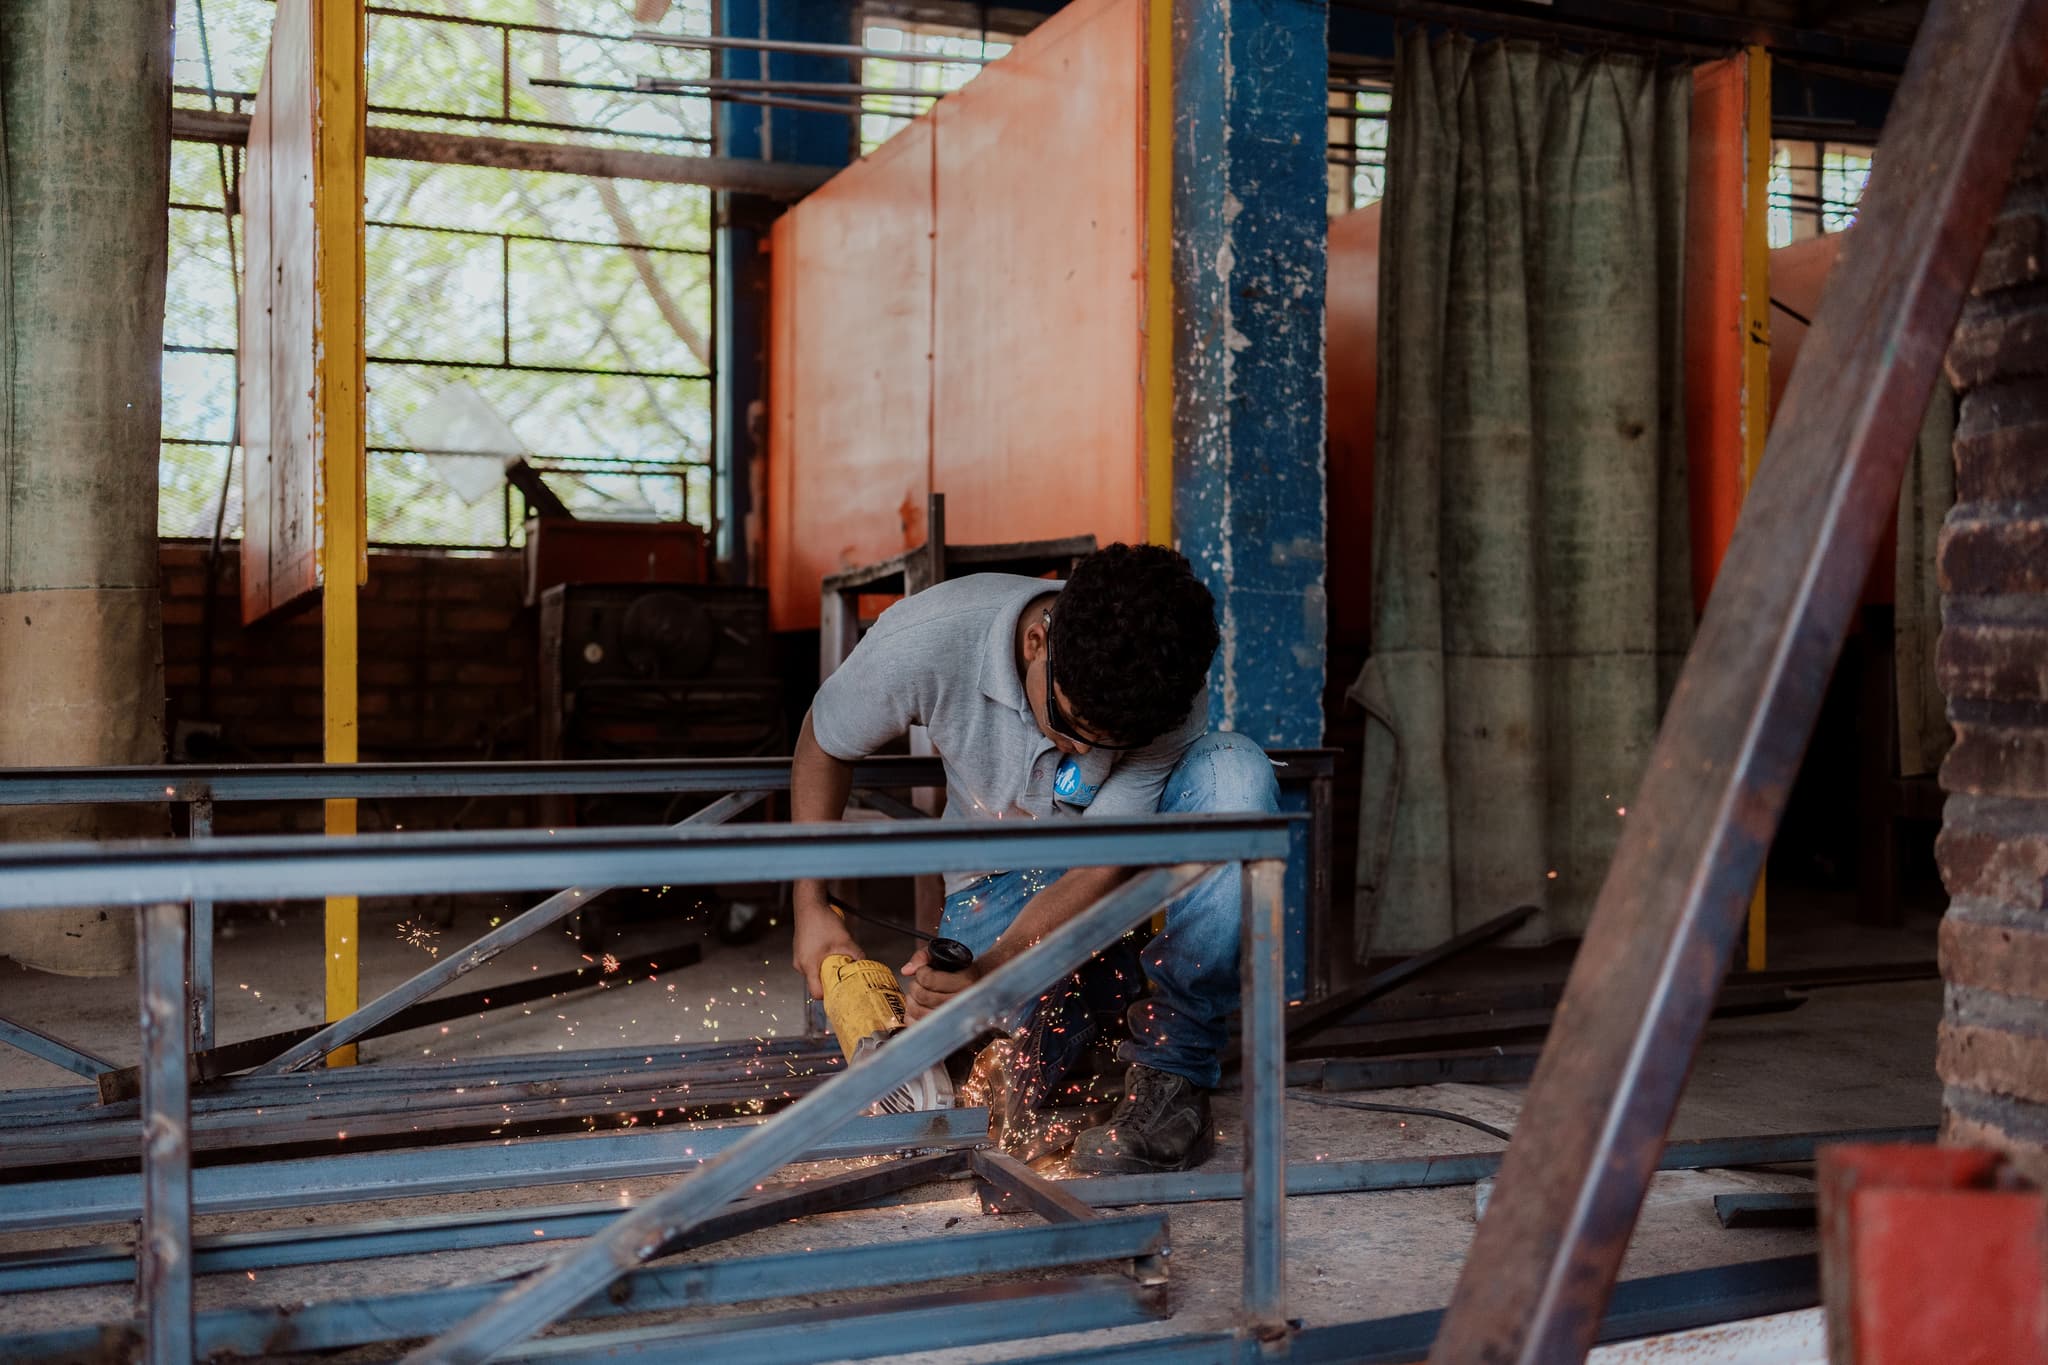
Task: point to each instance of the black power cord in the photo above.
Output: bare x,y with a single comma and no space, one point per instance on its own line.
1415,1111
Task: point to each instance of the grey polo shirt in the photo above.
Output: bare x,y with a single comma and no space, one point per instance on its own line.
946,659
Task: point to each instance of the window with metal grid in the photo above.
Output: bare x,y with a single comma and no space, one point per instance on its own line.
562,319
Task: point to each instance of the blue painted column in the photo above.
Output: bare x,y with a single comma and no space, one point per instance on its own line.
751,130
1249,231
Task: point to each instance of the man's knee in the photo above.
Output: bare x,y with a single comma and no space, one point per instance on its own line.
1223,771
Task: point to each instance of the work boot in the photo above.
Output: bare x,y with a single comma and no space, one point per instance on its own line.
1162,1125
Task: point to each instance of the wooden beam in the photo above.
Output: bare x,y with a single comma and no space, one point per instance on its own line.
773,180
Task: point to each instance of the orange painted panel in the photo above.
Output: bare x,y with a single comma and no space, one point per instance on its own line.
1351,356
1713,315
280,227
1039,308
849,424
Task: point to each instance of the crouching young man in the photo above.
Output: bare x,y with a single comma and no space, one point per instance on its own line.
1054,700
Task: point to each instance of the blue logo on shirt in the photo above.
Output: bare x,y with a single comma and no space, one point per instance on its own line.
1069,786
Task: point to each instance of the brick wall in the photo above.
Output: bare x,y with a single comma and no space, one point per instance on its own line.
1993,665
448,672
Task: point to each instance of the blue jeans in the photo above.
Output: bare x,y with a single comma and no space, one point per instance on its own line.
1180,1023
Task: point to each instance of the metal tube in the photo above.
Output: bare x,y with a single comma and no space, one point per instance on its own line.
1463,1168
518,929
66,1267
268,1331
1263,972
155,783
305,1183
802,48
881,1327
287,866
683,85
163,1260
1673,903
976,1011
201,975
56,1051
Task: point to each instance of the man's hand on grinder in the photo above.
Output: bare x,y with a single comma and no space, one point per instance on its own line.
927,988
819,934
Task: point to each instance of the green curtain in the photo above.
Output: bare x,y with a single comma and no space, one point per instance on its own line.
1531,589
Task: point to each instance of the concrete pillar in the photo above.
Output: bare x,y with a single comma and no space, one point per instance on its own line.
771,134
1993,667
1249,227
85,136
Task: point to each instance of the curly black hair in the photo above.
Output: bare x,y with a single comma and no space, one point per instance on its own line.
1133,634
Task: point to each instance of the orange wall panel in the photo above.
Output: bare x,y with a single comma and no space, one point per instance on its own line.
849,430
963,312
1351,348
1713,314
1039,308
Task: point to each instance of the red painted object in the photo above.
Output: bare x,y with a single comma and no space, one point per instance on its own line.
1932,1256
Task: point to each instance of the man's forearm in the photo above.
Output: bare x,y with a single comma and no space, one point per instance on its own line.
1074,892
819,786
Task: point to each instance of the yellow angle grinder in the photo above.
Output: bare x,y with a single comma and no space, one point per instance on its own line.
864,1006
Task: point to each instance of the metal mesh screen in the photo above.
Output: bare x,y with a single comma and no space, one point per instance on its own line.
562,319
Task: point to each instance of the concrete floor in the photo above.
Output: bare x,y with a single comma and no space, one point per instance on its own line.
1860,1057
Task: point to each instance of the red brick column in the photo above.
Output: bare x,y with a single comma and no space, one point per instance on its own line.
1994,669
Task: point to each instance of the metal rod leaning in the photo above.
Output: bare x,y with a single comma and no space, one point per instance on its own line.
55,1051
163,1253
980,1009
1668,914
515,930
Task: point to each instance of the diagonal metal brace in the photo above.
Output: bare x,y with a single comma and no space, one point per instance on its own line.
976,1011
1670,911
551,911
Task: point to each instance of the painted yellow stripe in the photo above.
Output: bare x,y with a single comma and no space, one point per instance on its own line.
1756,332
337,32
1158,387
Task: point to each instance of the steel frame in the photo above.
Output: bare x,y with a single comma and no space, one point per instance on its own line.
726,1162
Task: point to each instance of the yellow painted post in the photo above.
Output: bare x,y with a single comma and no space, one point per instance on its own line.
1756,332
1158,411
337,30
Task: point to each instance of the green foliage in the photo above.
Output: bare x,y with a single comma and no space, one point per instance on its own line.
593,347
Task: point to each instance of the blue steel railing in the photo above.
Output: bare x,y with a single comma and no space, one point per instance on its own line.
163,877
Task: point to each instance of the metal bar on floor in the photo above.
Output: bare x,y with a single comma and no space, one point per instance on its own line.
1310,1019
980,1009
1458,1168
218,1064
518,929
304,1183
1671,908
1263,972
289,866
1017,1187
340,1323
201,971
41,1269
882,1327
163,1252
55,1051
1652,1305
